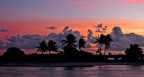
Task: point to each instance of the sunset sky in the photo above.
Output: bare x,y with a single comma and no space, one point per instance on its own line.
32,16
42,17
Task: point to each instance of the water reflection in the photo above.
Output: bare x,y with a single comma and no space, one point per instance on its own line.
96,71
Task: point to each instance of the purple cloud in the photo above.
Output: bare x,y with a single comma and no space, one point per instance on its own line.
120,40
51,27
4,30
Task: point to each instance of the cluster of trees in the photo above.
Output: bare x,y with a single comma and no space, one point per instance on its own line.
103,40
14,51
50,46
70,47
134,52
69,44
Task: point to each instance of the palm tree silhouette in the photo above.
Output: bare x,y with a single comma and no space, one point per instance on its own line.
51,46
104,40
100,42
107,42
69,43
82,43
43,47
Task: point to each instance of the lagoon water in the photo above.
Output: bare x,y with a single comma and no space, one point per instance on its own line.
96,71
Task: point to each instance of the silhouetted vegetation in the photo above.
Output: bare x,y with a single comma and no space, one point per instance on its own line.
69,45
71,54
108,40
99,51
82,43
14,52
134,52
51,46
104,40
43,47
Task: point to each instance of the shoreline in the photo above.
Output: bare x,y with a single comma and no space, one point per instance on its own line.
65,64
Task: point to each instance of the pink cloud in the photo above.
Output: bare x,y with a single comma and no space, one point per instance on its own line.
127,2
91,4
134,2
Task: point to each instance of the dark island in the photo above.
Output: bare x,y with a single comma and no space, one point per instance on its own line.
72,54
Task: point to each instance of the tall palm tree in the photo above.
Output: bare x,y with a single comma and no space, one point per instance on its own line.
82,43
43,47
51,46
69,43
107,42
100,42
104,40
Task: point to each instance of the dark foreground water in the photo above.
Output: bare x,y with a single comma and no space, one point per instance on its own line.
96,71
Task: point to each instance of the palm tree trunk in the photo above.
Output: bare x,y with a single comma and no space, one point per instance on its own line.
100,48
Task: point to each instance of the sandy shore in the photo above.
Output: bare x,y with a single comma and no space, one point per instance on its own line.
68,64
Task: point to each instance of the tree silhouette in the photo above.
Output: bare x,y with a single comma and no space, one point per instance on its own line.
134,51
43,47
104,40
107,42
69,44
100,41
14,52
99,51
51,46
82,43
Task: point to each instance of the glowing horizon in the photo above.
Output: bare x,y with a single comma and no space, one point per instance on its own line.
38,27
29,17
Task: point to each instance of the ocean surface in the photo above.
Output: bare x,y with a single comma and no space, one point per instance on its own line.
95,71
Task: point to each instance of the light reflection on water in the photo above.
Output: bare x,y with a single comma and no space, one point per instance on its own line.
96,71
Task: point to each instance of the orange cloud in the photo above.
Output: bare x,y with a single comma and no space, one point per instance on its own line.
80,24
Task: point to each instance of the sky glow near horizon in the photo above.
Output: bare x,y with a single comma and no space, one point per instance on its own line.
25,15
43,17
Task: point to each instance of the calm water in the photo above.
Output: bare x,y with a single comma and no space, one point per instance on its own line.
96,71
